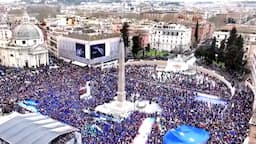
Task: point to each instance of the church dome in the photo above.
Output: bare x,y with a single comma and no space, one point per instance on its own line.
27,32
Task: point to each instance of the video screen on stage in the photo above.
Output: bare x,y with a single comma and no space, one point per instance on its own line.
97,50
80,50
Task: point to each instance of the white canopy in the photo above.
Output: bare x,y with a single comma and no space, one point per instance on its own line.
32,128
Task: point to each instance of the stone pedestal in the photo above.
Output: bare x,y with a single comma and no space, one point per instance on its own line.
123,109
116,108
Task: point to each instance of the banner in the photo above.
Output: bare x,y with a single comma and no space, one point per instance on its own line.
28,107
85,92
144,131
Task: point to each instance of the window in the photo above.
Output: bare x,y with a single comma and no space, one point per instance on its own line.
219,36
34,41
177,33
11,55
172,33
23,42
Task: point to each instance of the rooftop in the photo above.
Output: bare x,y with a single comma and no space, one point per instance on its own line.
92,37
240,28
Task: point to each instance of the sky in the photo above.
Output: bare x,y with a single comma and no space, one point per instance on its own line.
208,0
166,0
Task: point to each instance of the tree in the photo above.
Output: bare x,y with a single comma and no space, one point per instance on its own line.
125,36
196,31
207,52
200,53
234,52
136,45
232,37
220,56
210,52
148,48
240,53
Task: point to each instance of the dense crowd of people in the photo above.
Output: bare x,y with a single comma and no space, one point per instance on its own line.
57,92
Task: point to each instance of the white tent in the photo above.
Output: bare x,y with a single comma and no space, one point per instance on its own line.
32,128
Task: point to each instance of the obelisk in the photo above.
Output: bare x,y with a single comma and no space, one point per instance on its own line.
121,98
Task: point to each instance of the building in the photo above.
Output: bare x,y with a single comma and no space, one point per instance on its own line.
252,132
253,67
24,49
89,49
170,37
5,34
205,29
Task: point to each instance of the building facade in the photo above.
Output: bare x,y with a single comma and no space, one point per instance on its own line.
170,37
24,49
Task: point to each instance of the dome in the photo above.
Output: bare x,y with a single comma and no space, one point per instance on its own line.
27,32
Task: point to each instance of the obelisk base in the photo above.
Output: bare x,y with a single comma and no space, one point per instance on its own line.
116,108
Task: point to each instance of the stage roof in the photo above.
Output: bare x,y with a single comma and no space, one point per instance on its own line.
32,128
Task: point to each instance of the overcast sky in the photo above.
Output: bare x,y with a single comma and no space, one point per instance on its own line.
171,0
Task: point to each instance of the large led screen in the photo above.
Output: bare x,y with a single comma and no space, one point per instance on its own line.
97,50
80,50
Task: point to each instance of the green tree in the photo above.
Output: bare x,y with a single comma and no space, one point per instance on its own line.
232,37
125,36
210,52
200,53
196,32
240,53
148,47
136,45
234,52
220,57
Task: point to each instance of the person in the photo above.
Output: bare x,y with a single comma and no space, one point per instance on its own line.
57,93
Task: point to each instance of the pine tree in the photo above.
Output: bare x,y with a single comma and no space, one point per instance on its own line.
211,52
148,48
240,53
234,52
232,37
136,45
196,32
220,57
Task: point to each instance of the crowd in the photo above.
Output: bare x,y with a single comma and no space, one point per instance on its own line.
57,93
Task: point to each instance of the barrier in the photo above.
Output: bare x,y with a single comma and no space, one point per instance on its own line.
254,93
214,74
210,99
197,68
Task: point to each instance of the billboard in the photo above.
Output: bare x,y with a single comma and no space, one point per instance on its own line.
97,50
80,50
